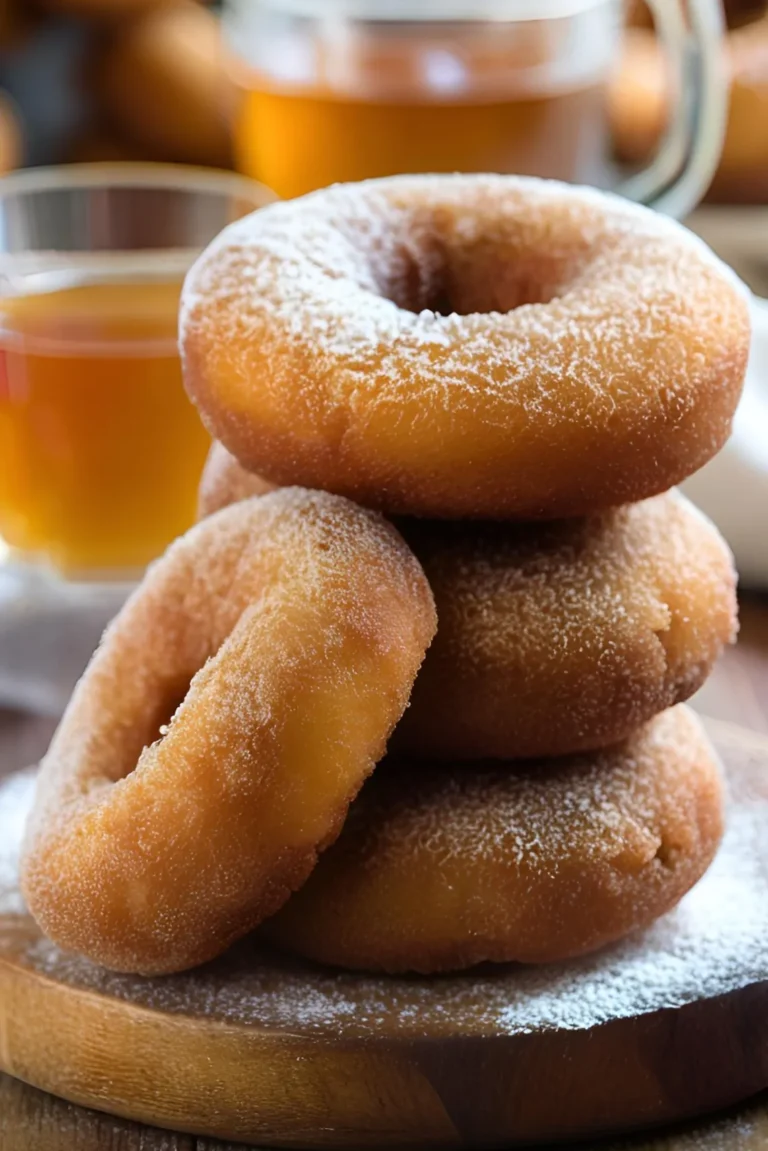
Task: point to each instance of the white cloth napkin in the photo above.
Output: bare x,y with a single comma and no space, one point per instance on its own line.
733,487
48,632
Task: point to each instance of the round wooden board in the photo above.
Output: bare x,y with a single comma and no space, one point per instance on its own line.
260,1048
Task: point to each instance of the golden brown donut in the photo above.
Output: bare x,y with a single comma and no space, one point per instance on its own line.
442,868
561,637
558,637
640,106
465,346
165,85
224,482
282,636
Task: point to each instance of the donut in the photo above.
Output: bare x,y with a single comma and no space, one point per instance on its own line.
557,637
639,109
225,482
165,85
566,636
282,636
465,346
441,868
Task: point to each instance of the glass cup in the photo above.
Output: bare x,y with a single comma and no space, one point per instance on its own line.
350,89
100,449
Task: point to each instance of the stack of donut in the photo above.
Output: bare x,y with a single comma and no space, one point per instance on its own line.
485,387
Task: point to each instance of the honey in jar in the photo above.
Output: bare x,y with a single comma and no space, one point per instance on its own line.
100,449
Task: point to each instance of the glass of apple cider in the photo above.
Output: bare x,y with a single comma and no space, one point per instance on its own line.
100,449
349,89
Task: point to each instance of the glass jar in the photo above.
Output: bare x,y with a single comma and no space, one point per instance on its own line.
336,90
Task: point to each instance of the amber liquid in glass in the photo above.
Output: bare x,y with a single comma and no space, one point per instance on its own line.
297,142
100,449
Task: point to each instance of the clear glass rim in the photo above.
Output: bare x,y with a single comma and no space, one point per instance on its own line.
423,11
135,174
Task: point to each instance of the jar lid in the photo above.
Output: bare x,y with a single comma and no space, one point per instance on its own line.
415,11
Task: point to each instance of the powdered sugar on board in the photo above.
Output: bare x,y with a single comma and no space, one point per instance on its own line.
714,943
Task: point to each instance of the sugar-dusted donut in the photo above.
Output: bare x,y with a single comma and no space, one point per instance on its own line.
282,636
565,636
441,868
641,97
454,346
225,482
553,637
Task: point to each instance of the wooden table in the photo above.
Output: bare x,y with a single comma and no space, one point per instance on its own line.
32,1121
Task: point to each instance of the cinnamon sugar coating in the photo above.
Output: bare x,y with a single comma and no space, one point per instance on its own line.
441,868
230,715
556,637
566,636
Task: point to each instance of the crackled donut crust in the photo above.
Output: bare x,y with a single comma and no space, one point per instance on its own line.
453,346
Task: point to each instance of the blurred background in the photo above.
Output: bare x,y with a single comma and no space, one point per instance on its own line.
93,80
87,80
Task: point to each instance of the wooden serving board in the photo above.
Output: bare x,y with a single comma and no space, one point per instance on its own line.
264,1049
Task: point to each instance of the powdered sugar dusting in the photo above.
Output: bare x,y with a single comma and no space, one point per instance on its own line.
714,942
379,339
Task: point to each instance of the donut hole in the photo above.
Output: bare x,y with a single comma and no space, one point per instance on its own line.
154,729
666,855
480,281
170,706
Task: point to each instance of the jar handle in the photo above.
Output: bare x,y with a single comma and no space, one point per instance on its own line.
689,152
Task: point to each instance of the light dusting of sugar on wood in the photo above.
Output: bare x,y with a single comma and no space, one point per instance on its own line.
714,942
